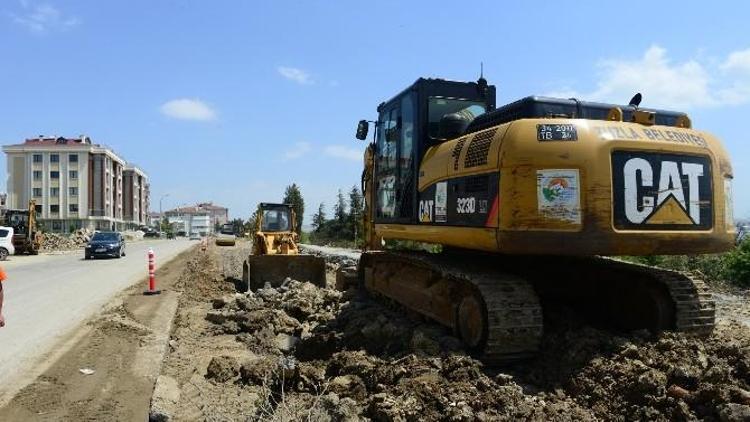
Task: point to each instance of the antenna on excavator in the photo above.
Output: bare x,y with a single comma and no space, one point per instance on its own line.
481,82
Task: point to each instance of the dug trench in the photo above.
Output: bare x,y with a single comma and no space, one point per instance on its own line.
110,370
301,352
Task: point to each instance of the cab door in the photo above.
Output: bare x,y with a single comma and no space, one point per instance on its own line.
394,162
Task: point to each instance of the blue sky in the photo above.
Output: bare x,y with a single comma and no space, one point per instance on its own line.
230,101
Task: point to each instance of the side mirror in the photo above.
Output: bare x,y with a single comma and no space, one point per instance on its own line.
362,128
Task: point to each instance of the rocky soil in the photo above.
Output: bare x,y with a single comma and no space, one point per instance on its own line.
52,242
62,242
299,352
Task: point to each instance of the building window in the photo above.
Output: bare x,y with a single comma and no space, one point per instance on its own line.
73,191
56,225
54,191
38,208
37,175
37,192
73,174
54,175
54,158
73,207
73,158
37,158
54,209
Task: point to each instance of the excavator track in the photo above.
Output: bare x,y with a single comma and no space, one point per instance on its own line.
496,314
494,302
627,295
694,307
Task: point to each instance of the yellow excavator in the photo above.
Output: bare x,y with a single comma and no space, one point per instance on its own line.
526,200
275,254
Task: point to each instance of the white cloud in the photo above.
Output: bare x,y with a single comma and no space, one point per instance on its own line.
40,18
295,74
298,150
737,67
738,61
668,84
347,153
188,109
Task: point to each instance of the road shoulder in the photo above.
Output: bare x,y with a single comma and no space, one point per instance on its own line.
124,345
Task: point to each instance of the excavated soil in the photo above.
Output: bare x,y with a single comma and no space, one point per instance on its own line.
300,352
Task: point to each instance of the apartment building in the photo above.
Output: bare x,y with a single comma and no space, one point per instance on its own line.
76,184
135,191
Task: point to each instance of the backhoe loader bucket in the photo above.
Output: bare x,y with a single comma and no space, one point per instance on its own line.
273,269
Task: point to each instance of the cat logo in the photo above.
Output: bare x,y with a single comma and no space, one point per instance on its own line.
661,191
425,210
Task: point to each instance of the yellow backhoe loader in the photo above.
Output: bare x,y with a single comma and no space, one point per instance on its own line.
27,239
275,253
526,198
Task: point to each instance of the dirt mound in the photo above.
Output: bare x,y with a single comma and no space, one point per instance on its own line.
377,362
201,278
322,354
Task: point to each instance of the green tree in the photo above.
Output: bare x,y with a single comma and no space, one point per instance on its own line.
250,224
356,207
319,218
164,224
237,226
339,210
293,197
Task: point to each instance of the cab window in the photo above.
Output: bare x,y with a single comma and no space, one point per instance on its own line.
387,160
275,221
406,157
396,146
440,106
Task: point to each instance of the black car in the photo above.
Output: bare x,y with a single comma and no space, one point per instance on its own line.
110,244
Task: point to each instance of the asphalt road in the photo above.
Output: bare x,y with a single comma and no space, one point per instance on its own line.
48,296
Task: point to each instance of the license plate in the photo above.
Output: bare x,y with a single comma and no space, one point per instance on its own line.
100,250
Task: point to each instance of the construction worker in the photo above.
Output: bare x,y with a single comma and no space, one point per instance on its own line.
3,276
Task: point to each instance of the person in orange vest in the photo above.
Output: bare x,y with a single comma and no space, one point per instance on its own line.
3,276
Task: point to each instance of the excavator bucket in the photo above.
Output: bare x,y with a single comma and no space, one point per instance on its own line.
273,269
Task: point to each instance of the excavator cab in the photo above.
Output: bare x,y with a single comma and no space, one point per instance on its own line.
275,252
428,113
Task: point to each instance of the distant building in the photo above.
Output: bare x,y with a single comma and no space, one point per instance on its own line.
153,219
76,184
217,215
188,224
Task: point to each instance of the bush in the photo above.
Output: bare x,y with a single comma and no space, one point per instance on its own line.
732,267
737,265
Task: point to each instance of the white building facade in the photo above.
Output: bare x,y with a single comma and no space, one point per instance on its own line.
191,224
76,184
